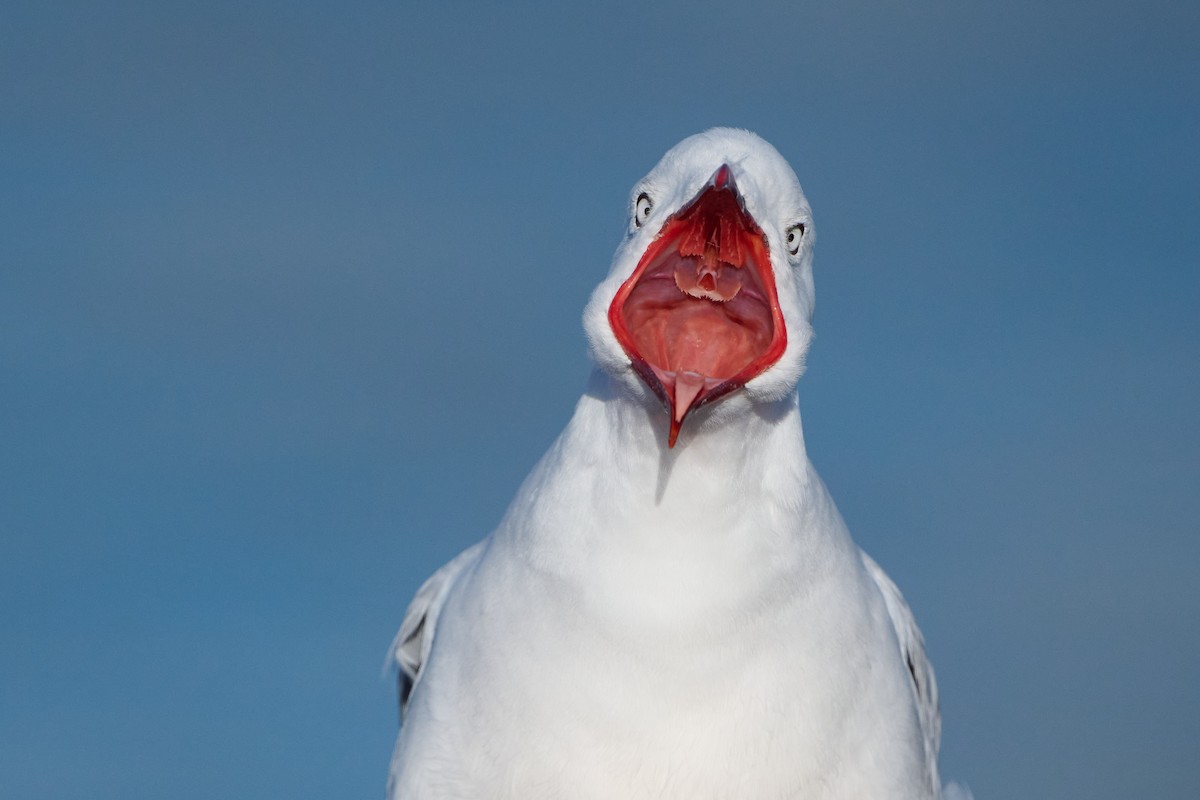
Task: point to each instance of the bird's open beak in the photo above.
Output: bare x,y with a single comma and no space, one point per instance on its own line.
699,316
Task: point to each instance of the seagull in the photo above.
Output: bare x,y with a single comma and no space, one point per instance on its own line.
672,607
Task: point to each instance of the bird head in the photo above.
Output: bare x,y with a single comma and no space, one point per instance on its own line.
709,299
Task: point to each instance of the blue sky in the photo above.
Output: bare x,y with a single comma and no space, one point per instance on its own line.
289,305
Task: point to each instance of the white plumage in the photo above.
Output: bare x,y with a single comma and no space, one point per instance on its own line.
686,622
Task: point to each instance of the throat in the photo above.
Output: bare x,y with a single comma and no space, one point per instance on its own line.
733,455
675,533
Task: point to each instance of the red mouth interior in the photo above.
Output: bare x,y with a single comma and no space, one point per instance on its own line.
700,316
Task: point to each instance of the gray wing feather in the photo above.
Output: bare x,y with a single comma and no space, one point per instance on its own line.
912,650
412,645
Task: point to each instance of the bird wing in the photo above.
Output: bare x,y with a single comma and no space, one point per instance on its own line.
410,649
912,650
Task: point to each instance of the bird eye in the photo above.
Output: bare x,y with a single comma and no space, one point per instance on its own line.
641,210
794,235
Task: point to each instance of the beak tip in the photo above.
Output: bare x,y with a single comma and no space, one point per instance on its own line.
723,178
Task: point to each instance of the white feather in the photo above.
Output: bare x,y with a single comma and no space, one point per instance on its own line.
664,623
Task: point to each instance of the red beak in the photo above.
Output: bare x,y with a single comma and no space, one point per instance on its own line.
700,315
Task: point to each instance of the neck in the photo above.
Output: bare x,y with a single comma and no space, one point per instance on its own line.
610,474
722,453
730,517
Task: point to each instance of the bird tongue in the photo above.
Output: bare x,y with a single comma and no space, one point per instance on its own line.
687,385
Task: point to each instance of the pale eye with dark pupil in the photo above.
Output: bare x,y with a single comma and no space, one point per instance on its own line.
641,209
794,235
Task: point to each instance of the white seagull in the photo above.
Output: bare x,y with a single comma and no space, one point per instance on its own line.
672,607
